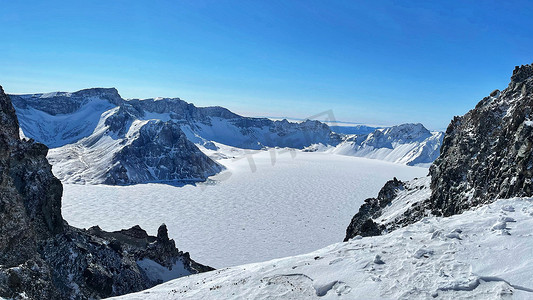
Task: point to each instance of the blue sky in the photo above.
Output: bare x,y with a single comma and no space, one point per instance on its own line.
381,62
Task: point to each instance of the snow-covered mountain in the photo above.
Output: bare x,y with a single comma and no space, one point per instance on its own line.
410,144
98,137
99,142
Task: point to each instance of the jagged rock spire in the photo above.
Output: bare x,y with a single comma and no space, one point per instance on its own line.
8,120
521,73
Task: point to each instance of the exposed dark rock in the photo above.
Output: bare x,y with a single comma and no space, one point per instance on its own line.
161,152
486,154
362,223
41,256
120,121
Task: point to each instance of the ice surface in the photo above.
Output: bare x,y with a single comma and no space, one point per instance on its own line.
293,206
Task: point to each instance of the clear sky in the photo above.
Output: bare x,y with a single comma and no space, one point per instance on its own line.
381,62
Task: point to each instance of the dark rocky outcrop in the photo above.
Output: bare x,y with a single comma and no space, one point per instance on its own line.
486,154
41,256
362,223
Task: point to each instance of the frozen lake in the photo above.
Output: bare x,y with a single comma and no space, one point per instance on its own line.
295,206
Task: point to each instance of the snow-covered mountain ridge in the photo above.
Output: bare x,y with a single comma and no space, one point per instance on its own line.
410,144
202,124
98,137
480,254
101,138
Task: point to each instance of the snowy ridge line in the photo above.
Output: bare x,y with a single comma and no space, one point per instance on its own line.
90,132
409,144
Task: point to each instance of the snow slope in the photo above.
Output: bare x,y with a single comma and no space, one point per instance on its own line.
409,144
481,254
288,206
61,129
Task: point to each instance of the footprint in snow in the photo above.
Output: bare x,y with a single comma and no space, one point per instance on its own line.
500,225
336,260
508,208
339,287
453,235
507,219
422,252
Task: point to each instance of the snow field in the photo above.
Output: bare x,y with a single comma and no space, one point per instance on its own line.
293,206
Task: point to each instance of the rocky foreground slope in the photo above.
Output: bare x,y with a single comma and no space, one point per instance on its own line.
42,257
480,254
486,154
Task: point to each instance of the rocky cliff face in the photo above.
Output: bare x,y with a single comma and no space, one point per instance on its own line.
42,257
486,154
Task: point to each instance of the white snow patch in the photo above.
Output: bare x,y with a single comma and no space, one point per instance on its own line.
157,272
59,130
